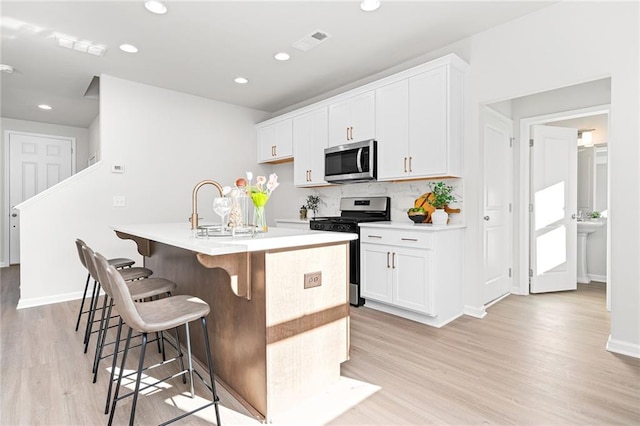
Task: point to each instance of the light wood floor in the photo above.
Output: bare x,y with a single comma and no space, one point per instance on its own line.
536,360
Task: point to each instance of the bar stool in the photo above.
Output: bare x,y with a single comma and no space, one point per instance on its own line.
118,263
129,274
140,290
151,317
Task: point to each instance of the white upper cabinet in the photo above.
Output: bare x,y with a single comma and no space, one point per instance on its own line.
352,119
419,125
310,136
417,117
392,129
275,141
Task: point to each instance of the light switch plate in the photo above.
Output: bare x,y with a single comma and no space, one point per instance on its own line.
119,201
312,279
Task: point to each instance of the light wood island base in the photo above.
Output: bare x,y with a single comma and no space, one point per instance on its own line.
274,342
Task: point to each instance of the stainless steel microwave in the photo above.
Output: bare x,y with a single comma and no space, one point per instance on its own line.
353,162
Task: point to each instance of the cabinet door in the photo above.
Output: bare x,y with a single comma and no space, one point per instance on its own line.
266,141
428,137
412,282
392,130
375,273
352,120
339,123
310,134
275,141
363,117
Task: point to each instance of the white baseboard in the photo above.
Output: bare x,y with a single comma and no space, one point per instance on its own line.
599,278
434,321
4,264
48,300
475,311
623,348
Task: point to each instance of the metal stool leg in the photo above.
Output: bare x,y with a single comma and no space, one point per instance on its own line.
92,305
120,374
84,296
102,337
138,379
92,316
113,365
207,347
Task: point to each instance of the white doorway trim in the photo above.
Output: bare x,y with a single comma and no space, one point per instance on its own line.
7,208
523,184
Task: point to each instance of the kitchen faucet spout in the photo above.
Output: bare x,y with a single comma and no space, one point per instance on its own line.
194,200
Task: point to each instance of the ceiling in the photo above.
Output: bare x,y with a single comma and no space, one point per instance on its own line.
200,47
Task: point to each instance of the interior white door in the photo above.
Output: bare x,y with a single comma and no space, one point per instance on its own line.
36,162
554,199
498,198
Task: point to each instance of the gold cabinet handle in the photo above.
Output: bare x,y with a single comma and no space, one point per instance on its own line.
405,164
410,169
393,261
388,260
351,132
347,133
310,176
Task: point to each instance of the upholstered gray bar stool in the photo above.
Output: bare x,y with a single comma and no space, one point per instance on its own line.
129,274
156,316
140,290
118,263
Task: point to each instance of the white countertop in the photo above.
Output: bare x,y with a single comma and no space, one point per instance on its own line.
410,225
180,235
301,221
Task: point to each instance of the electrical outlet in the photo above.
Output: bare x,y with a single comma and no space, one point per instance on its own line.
312,279
119,201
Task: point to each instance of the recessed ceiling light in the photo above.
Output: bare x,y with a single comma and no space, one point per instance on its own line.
129,48
6,68
282,56
44,106
369,5
241,80
155,6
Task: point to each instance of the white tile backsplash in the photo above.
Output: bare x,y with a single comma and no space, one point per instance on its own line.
403,195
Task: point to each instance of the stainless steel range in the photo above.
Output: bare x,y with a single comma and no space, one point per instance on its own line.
354,210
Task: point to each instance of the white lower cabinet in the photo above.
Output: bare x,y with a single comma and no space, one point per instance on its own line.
411,273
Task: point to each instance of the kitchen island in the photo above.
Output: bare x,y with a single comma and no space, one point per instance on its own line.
279,321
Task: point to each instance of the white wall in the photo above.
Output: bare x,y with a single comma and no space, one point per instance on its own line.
167,142
546,50
94,140
82,143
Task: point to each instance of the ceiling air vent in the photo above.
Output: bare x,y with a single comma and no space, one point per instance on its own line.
312,40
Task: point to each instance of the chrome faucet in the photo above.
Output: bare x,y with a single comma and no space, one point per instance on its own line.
194,200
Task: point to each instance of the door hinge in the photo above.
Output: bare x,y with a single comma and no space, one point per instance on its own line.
530,208
509,272
530,142
510,207
530,273
511,141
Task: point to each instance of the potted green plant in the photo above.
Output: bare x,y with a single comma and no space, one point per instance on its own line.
312,203
441,196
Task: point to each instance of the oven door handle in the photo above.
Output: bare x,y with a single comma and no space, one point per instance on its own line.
359,160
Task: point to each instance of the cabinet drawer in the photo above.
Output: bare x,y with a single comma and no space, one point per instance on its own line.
396,237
